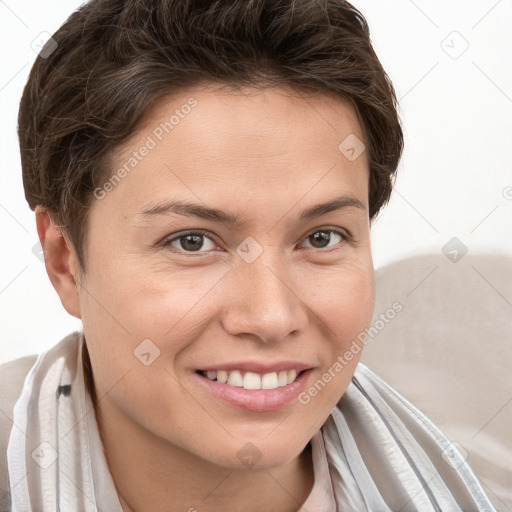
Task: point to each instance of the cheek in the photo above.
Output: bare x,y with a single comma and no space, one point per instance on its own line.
123,309
344,299
135,295
345,310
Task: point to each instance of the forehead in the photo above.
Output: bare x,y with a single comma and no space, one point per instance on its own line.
262,111
241,145
261,117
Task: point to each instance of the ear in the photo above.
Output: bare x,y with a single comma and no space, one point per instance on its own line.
60,260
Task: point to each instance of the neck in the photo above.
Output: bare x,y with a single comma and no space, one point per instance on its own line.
151,475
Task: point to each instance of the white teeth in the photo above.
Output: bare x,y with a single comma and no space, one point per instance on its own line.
251,380
292,375
269,381
235,378
282,378
222,376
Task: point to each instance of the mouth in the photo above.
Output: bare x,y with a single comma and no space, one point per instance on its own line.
251,391
252,380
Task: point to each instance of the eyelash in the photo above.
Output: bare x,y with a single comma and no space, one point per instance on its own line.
167,243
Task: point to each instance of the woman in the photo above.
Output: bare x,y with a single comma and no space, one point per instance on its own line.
204,177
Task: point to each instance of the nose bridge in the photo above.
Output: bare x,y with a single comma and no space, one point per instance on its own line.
266,278
266,304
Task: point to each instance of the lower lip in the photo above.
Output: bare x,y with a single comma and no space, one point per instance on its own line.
256,400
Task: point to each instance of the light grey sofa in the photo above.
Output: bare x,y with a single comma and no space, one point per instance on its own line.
449,352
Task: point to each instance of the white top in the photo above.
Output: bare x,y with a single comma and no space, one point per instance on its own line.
321,498
375,452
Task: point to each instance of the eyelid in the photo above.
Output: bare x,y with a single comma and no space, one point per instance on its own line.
342,231
166,242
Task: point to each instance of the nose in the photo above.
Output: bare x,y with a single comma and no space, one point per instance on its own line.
265,302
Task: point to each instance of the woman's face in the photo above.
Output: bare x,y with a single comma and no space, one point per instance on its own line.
264,288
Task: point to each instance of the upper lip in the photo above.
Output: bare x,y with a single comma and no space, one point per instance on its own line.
257,366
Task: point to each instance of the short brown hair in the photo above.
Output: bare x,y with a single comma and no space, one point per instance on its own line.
114,58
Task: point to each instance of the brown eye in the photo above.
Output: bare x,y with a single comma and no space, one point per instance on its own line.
321,239
190,242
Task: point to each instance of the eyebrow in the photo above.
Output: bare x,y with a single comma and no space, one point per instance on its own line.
213,214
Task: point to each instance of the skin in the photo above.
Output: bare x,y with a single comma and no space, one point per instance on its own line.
264,155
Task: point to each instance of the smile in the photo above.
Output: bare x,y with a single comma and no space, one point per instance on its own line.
251,391
252,380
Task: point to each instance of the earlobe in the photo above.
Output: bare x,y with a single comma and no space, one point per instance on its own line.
60,261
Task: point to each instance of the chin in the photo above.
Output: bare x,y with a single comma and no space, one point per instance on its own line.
264,453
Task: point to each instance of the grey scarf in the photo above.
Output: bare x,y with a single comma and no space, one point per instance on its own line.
382,453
